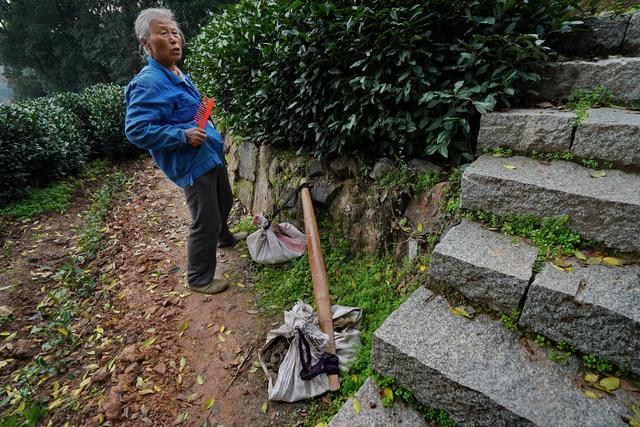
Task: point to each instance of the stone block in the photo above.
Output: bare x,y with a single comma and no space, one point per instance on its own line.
609,134
324,190
426,208
244,192
479,372
631,43
263,200
381,168
247,159
374,413
526,130
595,308
485,266
598,208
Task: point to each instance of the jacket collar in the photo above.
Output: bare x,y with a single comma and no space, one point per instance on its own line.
171,76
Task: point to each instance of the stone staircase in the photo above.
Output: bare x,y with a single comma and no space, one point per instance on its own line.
476,369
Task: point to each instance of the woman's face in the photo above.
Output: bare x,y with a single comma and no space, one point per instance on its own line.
164,43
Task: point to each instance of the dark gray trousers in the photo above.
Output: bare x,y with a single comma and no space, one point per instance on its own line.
210,200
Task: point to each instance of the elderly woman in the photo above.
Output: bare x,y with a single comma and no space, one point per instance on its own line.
161,105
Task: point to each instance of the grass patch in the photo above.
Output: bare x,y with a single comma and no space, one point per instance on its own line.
581,100
404,177
370,282
510,321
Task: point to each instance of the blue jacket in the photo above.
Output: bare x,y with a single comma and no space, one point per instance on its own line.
160,106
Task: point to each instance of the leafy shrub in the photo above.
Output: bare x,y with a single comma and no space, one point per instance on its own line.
386,77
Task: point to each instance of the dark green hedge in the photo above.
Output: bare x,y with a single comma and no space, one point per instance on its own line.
381,76
49,138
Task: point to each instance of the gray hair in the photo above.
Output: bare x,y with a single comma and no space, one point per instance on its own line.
142,25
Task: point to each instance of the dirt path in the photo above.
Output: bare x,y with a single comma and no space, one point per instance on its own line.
162,353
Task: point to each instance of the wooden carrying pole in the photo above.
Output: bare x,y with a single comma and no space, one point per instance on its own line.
319,278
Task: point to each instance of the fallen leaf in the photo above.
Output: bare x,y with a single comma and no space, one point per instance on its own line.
200,379
221,338
222,328
610,383
422,268
545,104
264,407
509,166
636,410
5,362
459,311
609,260
591,378
598,174
146,391
209,404
183,327
634,422
355,378
253,311
388,393
420,228
357,406
179,379
148,342
322,424
591,394
580,255
594,260
183,363
181,418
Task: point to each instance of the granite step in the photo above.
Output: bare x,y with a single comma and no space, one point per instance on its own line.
607,134
374,413
483,374
605,209
620,75
486,267
595,308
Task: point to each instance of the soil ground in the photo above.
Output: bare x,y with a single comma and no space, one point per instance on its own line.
156,353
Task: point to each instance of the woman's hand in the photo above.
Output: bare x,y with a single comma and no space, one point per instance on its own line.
195,136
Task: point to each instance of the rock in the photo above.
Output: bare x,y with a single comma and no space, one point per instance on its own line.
374,413
24,349
130,354
244,192
425,208
263,199
598,208
600,35
315,168
274,171
420,166
609,134
596,308
324,190
381,168
479,372
485,266
631,44
233,164
620,75
112,405
526,130
247,157
160,368
343,167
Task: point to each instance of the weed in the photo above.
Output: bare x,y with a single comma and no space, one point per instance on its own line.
501,152
560,357
511,321
424,181
582,99
431,415
244,224
451,203
558,155
594,164
404,177
597,363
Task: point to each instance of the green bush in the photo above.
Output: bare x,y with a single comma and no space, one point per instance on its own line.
383,76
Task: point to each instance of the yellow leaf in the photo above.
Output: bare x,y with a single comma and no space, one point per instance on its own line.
609,260
148,342
322,424
357,406
598,174
209,404
591,378
509,166
209,325
5,334
146,391
420,228
591,394
634,422
610,383
181,418
183,327
56,389
355,378
112,365
580,255
636,410
560,268
422,268
264,407
561,262
179,379
388,393
11,337
594,260
5,362
222,328
99,330
183,363
200,379
55,403
459,311
221,338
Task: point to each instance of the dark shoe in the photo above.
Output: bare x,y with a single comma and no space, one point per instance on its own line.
232,239
214,287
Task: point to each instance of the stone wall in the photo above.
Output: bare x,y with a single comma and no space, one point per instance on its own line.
263,178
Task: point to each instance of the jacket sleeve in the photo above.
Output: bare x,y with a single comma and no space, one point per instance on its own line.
146,120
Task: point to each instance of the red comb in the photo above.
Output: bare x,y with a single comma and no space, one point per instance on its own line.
204,111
